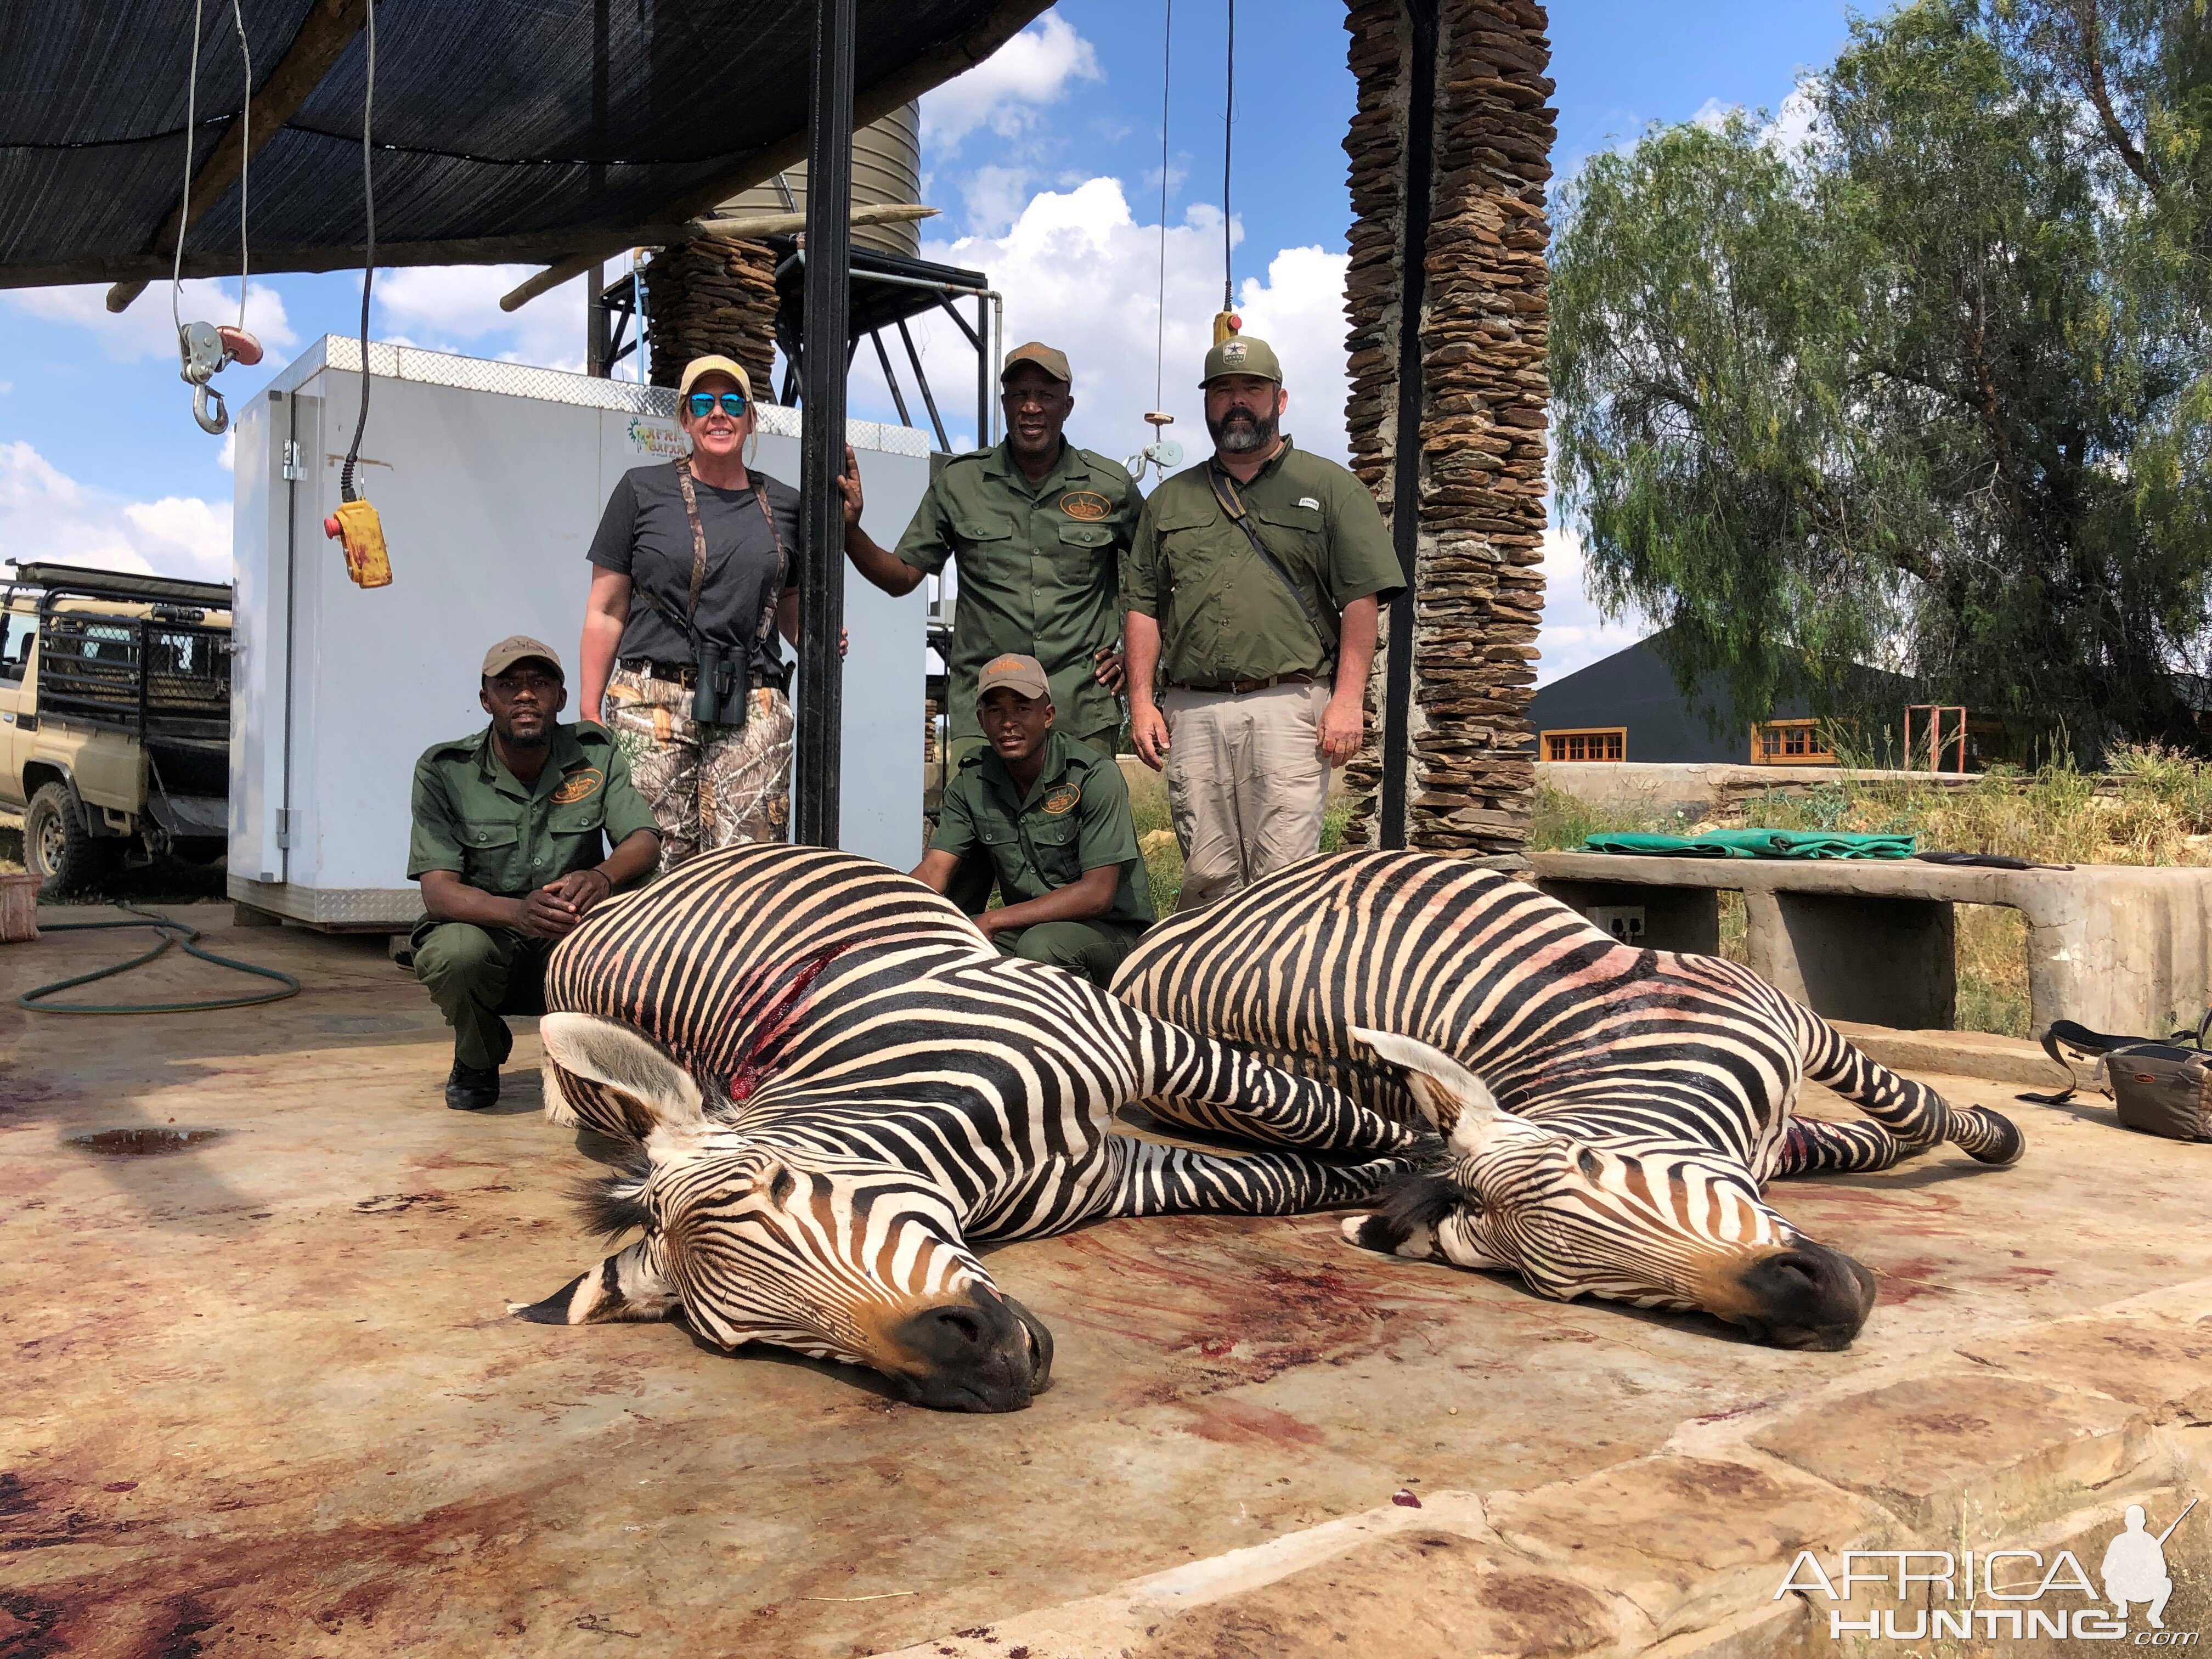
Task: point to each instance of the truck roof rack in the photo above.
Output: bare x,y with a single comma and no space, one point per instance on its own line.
118,585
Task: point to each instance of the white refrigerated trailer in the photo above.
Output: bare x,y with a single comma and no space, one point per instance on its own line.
489,478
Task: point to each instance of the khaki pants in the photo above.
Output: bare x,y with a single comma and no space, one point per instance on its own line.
1246,784
476,975
709,787
1092,949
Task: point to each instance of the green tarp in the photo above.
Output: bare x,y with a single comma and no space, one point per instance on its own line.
1755,844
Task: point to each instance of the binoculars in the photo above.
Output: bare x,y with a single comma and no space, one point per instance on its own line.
720,696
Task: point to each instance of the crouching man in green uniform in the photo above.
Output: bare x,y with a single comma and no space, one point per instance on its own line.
512,828
1048,818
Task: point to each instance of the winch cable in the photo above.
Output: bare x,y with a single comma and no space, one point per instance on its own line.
245,163
1228,139
368,255
184,211
172,932
1160,322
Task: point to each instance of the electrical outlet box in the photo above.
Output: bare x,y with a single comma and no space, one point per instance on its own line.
1624,921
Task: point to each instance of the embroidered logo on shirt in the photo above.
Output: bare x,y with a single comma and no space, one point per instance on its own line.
1085,504
580,785
1062,800
1308,500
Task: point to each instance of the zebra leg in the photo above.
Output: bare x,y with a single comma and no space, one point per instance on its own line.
1149,1179
1811,1146
1210,1084
1912,1112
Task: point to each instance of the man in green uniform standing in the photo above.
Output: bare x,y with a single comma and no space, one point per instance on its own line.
1253,586
510,844
1047,817
1038,528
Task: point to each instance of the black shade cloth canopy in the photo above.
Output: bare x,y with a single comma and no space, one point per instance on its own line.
504,129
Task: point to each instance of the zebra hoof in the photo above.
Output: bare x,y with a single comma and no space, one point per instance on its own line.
1380,1233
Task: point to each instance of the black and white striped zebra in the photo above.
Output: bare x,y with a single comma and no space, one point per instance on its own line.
834,1086
1613,1113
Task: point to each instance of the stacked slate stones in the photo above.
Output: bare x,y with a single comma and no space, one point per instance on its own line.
713,294
1480,446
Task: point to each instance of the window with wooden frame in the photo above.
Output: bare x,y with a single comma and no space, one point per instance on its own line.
1792,743
1601,742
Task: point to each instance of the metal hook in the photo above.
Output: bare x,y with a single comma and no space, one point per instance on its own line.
216,423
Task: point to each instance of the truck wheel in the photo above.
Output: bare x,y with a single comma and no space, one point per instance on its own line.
57,847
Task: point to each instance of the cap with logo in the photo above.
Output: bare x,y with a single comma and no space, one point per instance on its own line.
519,647
1243,354
1053,362
1024,675
715,363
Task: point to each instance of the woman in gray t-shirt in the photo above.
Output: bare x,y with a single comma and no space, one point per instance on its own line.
655,602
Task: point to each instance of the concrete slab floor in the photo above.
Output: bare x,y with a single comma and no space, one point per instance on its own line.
263,1396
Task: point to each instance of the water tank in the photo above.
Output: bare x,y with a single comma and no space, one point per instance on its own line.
886,167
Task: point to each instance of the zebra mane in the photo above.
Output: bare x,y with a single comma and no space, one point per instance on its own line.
1414,1201
613,1204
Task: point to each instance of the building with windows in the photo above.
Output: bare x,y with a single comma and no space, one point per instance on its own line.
1628,708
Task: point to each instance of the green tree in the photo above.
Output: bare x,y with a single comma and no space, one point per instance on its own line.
1929,393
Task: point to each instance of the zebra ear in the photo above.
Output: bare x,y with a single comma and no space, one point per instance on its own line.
628,1285
1443,1089
611,1076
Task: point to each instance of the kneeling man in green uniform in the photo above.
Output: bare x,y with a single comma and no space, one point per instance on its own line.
512,829
1048,818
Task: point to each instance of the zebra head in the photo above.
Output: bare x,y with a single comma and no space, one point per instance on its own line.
1576,1216
839,1257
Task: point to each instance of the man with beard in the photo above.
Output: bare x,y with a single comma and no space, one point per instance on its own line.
512,829
1038,528
1253,588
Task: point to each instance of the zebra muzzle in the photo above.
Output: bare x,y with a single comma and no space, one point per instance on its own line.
1804,1295
982,1352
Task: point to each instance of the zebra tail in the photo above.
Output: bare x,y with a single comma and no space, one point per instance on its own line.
1911,1111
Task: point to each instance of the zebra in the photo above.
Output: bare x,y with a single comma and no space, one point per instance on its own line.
830,1086
1612,1112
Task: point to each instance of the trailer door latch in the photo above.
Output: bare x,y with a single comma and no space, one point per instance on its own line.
294,471
283,827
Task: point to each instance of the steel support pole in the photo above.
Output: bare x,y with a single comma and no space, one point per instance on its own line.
822,440
1405,471
982,373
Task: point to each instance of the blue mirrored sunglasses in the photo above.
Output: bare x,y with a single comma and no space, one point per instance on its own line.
702,404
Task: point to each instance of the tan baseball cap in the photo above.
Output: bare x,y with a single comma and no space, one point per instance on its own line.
1051,362
715,364
1017,673
1243,354
519,647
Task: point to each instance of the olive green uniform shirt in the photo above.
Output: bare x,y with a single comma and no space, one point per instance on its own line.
1224,614
1039,565
508,838
1075,817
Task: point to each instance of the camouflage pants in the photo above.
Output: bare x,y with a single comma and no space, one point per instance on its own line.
710,787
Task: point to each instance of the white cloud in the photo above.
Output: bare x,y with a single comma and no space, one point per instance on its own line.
1005,91
456,308
1078,271
147,329
1575,632
1787,131
226,457
46,514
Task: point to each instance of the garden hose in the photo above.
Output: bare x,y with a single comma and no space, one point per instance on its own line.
173,932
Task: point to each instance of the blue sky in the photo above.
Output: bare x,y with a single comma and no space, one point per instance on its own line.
1047,163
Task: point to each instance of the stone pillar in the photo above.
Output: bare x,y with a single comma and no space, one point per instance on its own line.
1480,446
712,295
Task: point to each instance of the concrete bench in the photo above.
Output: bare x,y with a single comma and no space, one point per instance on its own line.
2116,948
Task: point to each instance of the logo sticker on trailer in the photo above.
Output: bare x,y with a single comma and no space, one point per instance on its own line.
580,785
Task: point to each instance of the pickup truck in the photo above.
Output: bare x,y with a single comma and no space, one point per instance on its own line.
114,719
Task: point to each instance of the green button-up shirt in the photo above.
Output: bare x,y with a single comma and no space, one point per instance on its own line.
1038,568
1075,817
508,838
1224,614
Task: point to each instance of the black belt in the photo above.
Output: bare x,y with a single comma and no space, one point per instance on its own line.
682,673
1238,688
